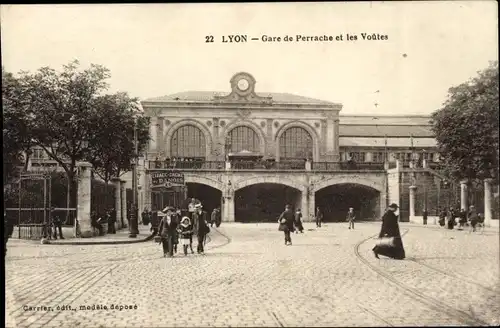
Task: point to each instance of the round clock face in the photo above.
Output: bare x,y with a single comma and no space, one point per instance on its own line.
243,84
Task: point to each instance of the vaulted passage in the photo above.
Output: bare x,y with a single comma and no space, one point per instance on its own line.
334,201
264,202
209,197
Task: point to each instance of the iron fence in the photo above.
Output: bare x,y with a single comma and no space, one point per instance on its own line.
267,165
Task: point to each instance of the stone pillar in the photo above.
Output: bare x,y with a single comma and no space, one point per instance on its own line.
153,132
118,202
488,213
424,163
398,164
228,165
123,197
84,199
412,202
463,195
304,205
311,206
228,205
336,135
330,137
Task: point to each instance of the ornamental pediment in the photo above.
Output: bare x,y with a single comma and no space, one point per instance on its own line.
243,90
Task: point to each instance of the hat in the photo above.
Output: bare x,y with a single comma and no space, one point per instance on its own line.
394,205
198,206
184,219
168,208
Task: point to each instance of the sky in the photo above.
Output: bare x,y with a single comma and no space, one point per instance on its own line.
154,50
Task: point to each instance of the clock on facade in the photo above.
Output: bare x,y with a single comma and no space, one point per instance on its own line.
243,84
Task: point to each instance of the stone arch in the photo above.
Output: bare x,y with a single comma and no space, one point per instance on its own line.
257,129
270,179
299,124
191,178
206,132
371,182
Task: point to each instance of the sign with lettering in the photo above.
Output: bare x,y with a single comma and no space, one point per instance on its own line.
167,179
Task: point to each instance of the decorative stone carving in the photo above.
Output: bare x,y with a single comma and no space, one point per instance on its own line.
244,113
223,123
209,123
216,122
263,124
276,124
329,114
316,124
167,122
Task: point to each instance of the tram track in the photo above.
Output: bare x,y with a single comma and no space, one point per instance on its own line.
431,302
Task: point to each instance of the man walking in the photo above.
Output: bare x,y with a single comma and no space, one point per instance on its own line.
319,217
351,217
200,227
287,219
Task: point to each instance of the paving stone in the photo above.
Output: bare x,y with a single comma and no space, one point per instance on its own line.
255,280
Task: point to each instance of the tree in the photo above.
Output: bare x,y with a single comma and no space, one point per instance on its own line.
466,128
111,150
61,106
16,140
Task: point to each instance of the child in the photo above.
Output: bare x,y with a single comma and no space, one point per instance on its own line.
186,231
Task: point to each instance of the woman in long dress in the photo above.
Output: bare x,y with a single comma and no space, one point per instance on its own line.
390,228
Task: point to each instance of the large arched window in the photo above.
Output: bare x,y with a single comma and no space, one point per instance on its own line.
243,138
296,143
188,141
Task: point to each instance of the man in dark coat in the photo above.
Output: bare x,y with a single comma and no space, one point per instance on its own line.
57,222
287,219
216,217
8,229
167,231
319,217
200,227
390,228
425,215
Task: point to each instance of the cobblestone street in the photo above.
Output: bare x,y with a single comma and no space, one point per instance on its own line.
248,277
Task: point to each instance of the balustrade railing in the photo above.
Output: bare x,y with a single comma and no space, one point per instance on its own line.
335,166
283,165
267,165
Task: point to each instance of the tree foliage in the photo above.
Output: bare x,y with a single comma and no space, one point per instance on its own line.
111,150
16,138
466,128
68,114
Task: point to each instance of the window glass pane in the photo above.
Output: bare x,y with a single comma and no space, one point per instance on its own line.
243,138
188,141
296,143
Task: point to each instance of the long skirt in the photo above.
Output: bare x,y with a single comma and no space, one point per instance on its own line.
395,251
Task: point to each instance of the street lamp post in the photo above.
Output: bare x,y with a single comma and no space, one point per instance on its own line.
134,226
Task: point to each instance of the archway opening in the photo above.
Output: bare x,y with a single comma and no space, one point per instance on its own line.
264,202
209,197
334,201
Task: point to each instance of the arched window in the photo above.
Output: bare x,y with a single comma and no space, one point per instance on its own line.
188,141
243,138
296,143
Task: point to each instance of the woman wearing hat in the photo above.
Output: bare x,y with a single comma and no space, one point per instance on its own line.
390,229
167,231
186,232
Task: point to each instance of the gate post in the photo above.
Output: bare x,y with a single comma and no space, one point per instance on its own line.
118,202
123,198
84,190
